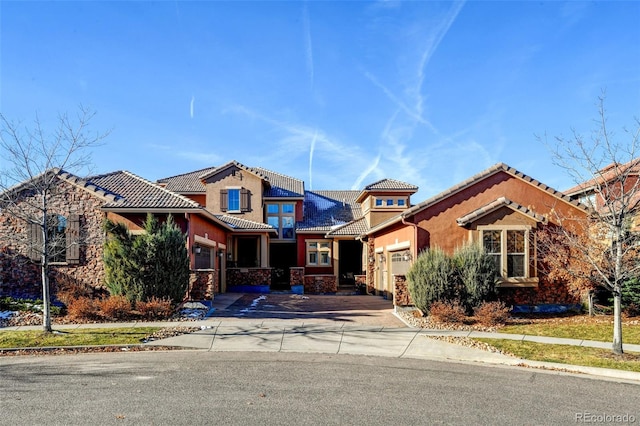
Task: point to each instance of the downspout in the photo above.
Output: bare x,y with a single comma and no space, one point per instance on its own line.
415,234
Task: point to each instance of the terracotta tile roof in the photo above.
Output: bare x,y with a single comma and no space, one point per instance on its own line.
497,168
187,182
278,185
614,172
495,205
239,224
281,185
390,184
135,192
324,210
351,229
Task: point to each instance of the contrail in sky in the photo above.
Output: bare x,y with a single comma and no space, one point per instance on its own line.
313,147
193,99
309,45
365,173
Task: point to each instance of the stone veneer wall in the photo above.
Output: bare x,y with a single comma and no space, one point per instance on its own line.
248,276
371,267
320,284
20,277
203,284
401,296
546,292
296,275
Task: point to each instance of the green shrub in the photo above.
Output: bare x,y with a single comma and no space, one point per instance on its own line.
630,292
154,264
431,278
477,273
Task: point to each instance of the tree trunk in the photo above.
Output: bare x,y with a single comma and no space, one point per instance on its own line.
617,321
46,303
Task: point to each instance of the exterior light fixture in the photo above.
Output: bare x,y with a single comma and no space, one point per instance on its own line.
197,249
406,256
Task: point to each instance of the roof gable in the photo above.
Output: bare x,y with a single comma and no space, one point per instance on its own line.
230,165
481,212
498,168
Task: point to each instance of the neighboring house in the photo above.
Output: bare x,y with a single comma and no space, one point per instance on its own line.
80,208
614,190
499,208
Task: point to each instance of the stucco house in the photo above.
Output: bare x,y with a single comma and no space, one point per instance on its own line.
284,238
499,208
250,229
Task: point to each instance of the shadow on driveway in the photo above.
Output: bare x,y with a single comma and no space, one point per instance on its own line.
354,309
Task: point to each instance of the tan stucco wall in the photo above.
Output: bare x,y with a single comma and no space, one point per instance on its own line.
242,179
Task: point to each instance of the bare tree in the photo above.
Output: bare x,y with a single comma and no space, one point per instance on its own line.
32,161
601,250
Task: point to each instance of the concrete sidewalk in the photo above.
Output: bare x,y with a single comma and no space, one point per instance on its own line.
352,330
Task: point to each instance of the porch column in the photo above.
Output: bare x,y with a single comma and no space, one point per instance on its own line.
264,252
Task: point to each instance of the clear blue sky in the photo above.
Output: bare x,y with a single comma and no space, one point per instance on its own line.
338,94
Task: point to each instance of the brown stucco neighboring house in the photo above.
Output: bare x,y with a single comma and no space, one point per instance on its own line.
499,208
80,207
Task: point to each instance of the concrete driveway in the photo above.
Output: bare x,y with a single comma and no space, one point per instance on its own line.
334,309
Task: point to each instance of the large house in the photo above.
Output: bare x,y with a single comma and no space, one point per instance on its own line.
250,229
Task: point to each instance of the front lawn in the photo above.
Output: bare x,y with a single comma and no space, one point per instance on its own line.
77,337
564,354
579,327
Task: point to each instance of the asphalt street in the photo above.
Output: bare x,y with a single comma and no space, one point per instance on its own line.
233,388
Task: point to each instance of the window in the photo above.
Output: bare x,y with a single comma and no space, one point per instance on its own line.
389,202
318,253
282,217
63,235
401,202
234,200
378,202
204,258
509,249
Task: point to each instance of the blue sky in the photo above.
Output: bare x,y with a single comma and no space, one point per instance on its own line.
338,94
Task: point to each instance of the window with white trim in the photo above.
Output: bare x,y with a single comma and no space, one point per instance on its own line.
509,247
318,252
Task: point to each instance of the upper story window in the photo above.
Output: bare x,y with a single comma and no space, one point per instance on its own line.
390,202
234,200
282,217
510,249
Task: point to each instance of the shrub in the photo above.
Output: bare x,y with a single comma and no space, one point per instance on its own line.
477,273
155,308
492,313
447,312
115,307
154,264
431,278
83,308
